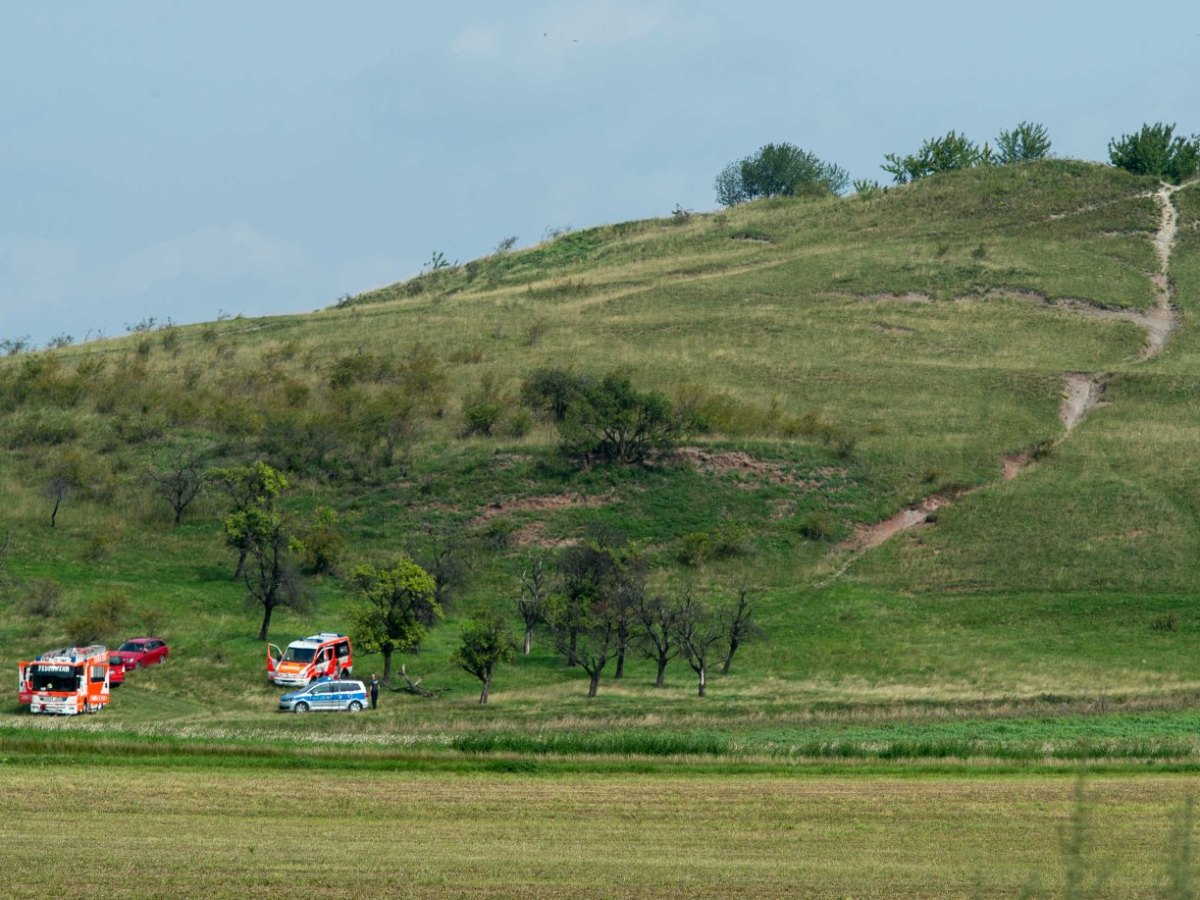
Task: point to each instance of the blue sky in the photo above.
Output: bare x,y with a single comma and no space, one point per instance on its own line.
187,160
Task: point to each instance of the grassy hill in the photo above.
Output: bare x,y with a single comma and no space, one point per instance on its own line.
845,358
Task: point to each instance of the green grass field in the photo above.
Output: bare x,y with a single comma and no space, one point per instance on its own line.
919,702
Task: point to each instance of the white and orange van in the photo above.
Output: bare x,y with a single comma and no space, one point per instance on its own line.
68,681
322,655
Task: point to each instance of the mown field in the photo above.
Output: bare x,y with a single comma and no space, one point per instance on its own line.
227,830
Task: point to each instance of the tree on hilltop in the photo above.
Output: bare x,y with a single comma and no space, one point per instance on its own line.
942,154
1156,150
779,170
1027,142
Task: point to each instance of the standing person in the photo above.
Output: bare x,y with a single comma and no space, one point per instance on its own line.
374,691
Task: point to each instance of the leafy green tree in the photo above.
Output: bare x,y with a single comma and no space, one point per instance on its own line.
182,481
269,569
550,391
256,486
1156,150
612,421
486,642
779,170
397,608
323,542
944,154
1027,142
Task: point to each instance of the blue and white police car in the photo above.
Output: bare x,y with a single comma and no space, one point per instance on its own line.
327,694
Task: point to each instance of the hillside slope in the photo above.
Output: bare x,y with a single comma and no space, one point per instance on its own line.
846,359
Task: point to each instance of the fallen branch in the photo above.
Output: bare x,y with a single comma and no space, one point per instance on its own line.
413,687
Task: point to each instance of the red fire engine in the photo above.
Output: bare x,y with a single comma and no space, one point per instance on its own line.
68,681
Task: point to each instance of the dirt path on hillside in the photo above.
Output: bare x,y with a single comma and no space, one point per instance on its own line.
1083,392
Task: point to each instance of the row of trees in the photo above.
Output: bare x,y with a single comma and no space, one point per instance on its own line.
785,170
593,600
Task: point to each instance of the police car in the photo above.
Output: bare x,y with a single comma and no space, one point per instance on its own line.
327,694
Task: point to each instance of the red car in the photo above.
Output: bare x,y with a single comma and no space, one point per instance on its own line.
116,671
142,651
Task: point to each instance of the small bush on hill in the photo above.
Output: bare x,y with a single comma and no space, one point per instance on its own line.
1156,150
1027,142
778,170
944,154
42,598
101,621
612,421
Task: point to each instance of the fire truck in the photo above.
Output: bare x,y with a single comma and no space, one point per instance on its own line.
324,655
68,681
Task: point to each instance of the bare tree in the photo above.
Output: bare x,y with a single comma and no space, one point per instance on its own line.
628,591
444,556
271,577
587,571
739,624
181,482
6,543
659,618
537,583
58,488
590,641
699,632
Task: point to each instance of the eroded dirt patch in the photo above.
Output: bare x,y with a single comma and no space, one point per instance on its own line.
741,463
867,536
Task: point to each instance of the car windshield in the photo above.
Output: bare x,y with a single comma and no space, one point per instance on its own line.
299,654
54,681
130,647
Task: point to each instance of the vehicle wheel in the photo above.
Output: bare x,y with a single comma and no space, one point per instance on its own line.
345,673
355,706
301,707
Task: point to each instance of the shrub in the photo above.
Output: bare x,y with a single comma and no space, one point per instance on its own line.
944,154
99,545
817,525
519,424
1025,143
42,598
480,418
612,421
1156,150
550,391
323,542
779,170
101,621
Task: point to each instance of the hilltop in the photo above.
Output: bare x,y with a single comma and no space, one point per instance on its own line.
1004,354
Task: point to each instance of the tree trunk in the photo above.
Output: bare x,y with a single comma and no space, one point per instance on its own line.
661,680
387,664
703,673
487,685
54,512
528,638
594,684
572,660
733,645
241,565
266,623
622,643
